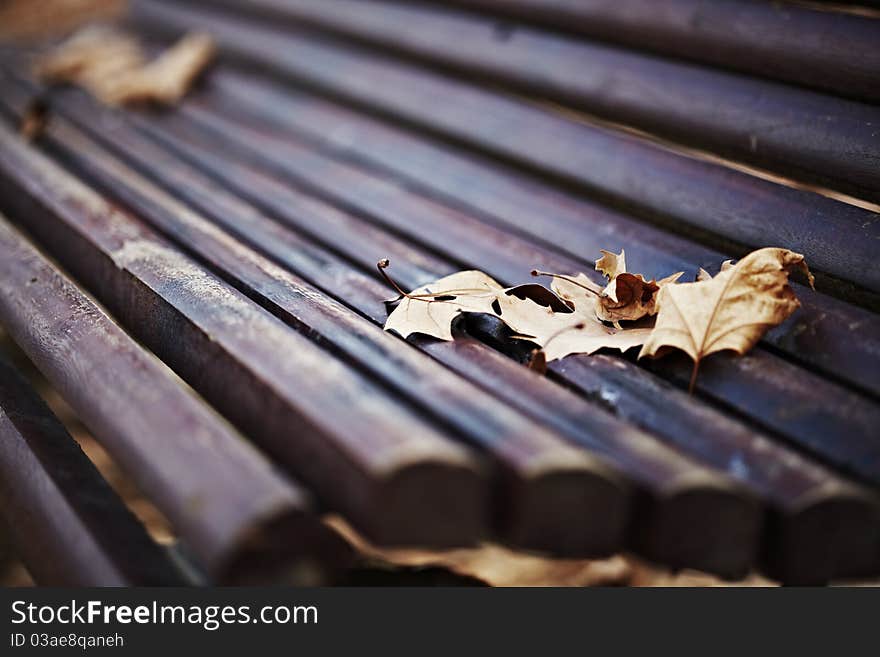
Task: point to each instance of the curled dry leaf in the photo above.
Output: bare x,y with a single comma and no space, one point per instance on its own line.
703,275
532,312
112,66
627,297
730,311
560,331
610,264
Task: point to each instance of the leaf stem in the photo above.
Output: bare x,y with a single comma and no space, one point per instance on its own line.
535,272
384,263
694,376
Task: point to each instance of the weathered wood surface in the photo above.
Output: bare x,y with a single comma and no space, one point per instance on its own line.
218,493
468,242
726,207
69,526
694,423
677,490
831,51
795,488
369,456
842,341
223,237
769,124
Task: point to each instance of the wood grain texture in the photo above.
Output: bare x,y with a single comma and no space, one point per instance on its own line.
830,51
795,488
840,340
538,470
400,479
68,525
683,194
467,242
218,493
678,489
799,133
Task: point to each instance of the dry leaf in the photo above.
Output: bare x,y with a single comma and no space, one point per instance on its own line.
589,336
432,308
28,20
611,265
497,565
112,66
564,333
703,275
578,290
167,78
627,297
729,312
532,312
90,57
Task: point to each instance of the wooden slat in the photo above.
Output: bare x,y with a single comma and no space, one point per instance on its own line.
371,457
690,516
800,133
541,471
768,461
66,522
680,192
142,415
468,242
832,51
846,540
841,341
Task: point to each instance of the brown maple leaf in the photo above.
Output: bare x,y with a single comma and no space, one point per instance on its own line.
627,297
111,65
703,275
591,335
610,264
578,331
728,312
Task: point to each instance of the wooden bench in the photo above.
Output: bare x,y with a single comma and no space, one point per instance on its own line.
235,237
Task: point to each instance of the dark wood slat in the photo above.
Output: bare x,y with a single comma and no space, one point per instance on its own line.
142,416
797,132
683,193
686,506
373,458
830,528
467,242
827,50
66,522
541,471
851,6
769,464
840,340
845,542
